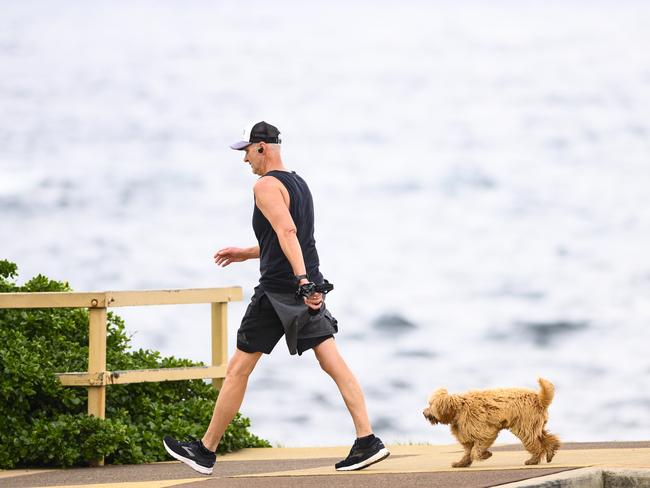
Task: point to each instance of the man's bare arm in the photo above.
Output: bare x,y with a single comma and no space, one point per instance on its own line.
228,255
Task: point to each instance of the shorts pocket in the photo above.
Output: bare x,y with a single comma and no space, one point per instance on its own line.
332,320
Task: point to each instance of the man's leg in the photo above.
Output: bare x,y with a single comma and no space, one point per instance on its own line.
230,398
333,364
199,455
367,449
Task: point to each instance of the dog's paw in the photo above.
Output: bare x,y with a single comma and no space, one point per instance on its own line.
486,455
533,460
461,464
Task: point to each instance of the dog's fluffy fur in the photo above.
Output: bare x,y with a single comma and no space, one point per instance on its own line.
476,418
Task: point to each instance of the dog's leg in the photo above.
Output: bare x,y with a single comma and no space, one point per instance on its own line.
533,460
466,460
480,450
482,453
532,443
551,445
536,448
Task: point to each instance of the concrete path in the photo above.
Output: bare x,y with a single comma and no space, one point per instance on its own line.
409,466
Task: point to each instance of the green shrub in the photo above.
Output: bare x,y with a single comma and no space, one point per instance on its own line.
45,424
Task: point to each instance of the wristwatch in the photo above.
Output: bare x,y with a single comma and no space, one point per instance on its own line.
301,277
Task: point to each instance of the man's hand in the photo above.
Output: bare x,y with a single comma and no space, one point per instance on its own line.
313,301
229,255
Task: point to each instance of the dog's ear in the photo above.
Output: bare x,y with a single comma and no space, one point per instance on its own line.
446,407
436,394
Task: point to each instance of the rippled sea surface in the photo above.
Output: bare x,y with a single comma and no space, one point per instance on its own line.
481,175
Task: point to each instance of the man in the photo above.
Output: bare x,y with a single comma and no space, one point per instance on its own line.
284,303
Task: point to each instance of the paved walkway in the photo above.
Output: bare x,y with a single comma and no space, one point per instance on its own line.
408,466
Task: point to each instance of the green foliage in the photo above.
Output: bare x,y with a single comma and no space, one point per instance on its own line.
45,424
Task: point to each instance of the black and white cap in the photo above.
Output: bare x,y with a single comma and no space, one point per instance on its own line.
258,132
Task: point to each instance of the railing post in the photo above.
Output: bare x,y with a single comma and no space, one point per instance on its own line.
97,364
219,338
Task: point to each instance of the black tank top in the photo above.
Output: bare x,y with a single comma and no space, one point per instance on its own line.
276,272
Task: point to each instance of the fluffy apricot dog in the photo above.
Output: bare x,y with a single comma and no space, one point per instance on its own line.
476,418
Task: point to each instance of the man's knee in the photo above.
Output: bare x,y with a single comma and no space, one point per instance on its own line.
326,365
242,363
328,358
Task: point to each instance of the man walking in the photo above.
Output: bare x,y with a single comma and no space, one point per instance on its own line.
284,303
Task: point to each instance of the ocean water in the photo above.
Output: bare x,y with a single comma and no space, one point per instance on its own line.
481,175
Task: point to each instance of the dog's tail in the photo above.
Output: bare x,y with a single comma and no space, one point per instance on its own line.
546,393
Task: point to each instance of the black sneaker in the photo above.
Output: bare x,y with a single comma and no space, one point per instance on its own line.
364,452
192,453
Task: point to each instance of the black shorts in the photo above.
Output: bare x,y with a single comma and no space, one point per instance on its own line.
261,329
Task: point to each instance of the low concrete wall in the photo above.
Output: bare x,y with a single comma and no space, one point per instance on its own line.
626,478
590,478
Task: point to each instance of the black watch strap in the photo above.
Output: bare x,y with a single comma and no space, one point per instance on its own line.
301,277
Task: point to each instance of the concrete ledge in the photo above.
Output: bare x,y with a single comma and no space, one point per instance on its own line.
589,478
620,478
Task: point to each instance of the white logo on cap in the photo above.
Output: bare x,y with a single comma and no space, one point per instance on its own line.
247,131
